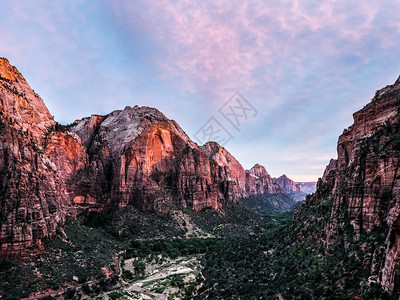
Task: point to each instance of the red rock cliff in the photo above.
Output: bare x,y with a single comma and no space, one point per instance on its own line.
364,182
35,162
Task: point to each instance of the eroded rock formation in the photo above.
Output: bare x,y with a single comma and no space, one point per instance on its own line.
263,181
36,161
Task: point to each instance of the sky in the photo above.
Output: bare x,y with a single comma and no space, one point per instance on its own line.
301,68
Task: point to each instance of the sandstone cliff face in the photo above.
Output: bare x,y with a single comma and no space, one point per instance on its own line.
255,181
288,185
367,164
331,167
142,158
35,162
263,181
364,183
293,189
230,168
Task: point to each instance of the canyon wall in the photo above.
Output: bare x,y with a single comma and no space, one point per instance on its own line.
364,183
36,162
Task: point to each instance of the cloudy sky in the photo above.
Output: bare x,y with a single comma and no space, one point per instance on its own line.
303,66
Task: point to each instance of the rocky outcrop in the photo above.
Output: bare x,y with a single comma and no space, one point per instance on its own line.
263,182
147,160
331,167
364,183
36,161
231,169
288,185
367,164
144,159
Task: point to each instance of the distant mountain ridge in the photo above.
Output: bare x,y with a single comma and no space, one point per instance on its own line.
307,187
297,190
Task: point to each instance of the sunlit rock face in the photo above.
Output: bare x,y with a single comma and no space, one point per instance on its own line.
288,185
142,158
364,182
36,161
244,183
263,182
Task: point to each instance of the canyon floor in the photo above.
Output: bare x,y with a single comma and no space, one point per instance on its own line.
263,256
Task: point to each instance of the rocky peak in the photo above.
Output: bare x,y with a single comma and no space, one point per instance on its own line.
387,91
119,128
288,185
20,106
220,154
397,81
307,187
6,70
264,182
331,167
232,169
211,148
258,170
132,156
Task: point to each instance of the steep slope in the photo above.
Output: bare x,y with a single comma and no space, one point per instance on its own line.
363,186
144,159
36,160
229,166
255,181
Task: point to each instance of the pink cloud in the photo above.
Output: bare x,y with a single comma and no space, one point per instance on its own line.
219,46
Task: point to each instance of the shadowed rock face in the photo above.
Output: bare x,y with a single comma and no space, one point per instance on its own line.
36,161
365,180
133,156
367,165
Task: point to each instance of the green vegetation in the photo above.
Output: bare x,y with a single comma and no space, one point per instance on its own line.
249,256
289,259
81,254
170,248
268,203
